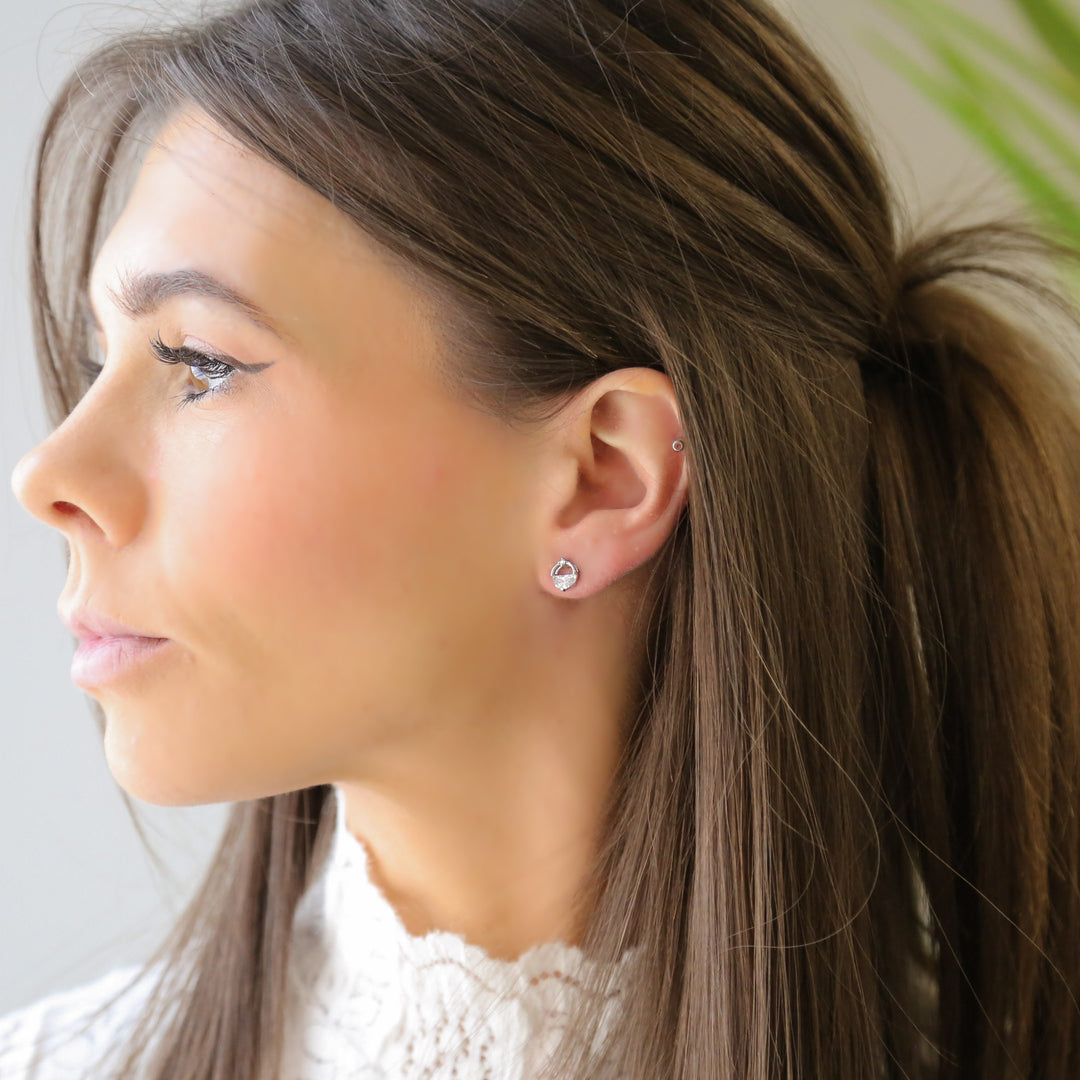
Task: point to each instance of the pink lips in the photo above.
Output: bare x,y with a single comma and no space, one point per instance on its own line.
108,649
101,659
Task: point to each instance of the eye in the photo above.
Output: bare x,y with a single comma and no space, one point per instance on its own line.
202,365
196,361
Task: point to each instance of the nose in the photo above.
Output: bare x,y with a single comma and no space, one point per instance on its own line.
29,480
78,479
22,477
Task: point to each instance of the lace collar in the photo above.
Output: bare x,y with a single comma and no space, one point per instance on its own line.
372,1001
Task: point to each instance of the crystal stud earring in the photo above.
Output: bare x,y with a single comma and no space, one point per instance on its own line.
564,580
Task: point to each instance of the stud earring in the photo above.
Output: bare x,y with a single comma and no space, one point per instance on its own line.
564,580
677,444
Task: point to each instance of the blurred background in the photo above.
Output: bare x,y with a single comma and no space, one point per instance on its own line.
78,893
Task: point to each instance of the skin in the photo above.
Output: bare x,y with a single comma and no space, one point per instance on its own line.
351,564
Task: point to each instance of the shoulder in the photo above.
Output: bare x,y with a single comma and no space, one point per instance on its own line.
61,1036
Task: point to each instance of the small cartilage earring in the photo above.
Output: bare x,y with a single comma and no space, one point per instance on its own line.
564,581
677,444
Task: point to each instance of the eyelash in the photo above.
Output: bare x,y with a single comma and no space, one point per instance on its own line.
182,355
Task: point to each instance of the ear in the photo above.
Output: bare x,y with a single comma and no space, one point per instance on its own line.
616,484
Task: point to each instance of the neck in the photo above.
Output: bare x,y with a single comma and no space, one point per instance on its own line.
490,828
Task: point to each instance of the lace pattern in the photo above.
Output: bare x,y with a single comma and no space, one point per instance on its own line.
366,1000
419,1007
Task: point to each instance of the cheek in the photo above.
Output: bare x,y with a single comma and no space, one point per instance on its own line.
332,563
348,572
289,526
292,565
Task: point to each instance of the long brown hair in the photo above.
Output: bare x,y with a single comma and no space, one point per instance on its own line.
846,830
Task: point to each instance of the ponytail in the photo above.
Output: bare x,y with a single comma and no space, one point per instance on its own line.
974,513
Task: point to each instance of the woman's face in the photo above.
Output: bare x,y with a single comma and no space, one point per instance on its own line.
334,547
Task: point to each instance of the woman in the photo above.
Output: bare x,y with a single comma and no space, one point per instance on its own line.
625,576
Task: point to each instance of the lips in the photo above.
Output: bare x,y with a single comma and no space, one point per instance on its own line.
101,660
87,624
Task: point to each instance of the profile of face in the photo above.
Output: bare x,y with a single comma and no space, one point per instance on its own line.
344,556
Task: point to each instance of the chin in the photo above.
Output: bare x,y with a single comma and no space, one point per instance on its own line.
156,776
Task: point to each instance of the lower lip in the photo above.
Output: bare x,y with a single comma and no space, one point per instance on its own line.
97,660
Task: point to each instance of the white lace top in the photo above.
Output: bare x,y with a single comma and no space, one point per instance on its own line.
367,1000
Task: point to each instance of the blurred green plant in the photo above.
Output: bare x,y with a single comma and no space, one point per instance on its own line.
1017,101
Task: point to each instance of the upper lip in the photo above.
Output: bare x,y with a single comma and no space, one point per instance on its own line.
86,623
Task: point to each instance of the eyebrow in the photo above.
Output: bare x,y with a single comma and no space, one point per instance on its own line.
143,292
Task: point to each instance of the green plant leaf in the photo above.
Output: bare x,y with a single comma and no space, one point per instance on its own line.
1058,30
989,91
962,97
924,16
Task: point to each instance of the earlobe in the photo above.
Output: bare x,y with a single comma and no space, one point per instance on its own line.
630,480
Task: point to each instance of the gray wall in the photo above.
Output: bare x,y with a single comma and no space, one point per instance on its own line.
78,894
